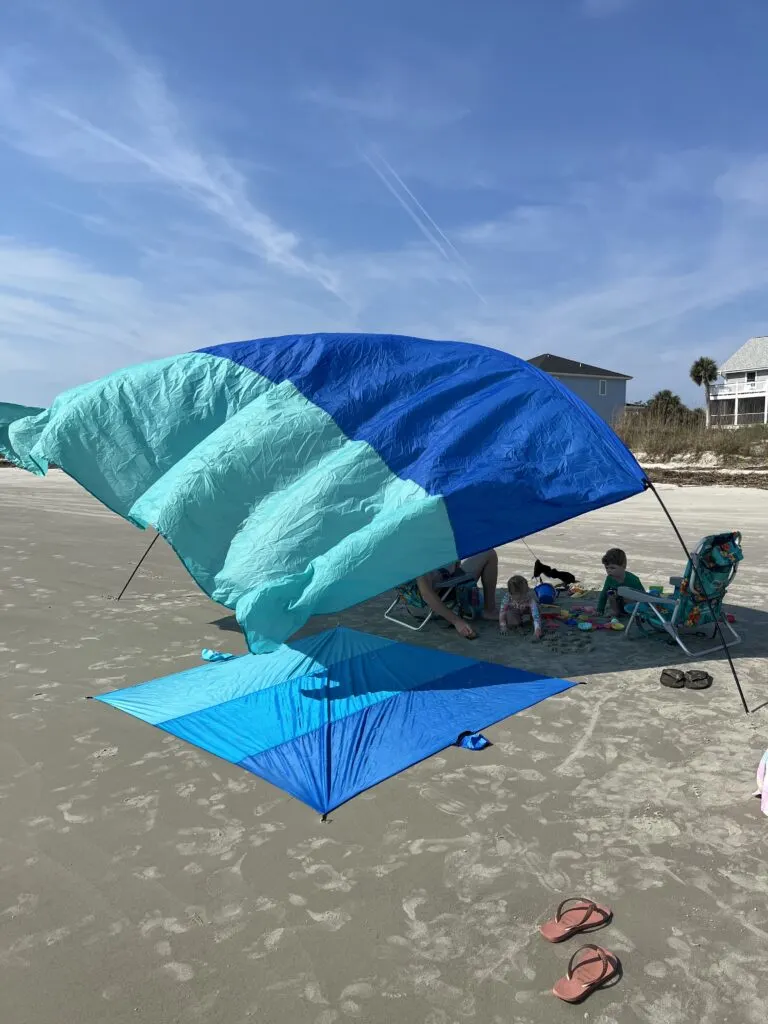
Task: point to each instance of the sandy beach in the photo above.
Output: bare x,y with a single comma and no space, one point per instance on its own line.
144,880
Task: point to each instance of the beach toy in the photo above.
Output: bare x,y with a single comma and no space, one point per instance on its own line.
546,593
583,618
586,626
656,591
572,622
565,614
548,612
590,609
615,624
730,618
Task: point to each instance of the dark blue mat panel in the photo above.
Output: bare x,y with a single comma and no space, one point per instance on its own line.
329,766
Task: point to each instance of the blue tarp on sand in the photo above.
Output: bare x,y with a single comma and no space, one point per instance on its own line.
333,714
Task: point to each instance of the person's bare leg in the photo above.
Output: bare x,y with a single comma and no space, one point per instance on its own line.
489,577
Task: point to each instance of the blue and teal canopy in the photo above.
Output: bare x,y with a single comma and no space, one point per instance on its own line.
9,413
304,474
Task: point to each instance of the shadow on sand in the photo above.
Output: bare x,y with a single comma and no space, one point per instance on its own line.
564,652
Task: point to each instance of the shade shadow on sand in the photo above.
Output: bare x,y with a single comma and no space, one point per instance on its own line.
565,649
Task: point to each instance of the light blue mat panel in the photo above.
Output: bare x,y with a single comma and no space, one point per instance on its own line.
333,714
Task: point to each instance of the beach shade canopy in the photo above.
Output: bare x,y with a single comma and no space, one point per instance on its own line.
333,714
305,474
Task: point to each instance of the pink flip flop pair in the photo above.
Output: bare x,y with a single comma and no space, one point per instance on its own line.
590,967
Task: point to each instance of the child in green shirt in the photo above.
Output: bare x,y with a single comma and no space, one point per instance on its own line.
615,563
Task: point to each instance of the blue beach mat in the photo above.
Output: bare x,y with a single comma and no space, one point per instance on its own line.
333,714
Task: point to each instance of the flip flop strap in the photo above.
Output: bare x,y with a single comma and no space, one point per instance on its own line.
601,958
589,907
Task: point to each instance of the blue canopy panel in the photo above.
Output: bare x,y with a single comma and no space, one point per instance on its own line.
302,475
336,713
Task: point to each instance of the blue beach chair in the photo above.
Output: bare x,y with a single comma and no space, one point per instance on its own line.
697,601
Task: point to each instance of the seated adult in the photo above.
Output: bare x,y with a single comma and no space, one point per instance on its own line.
484,567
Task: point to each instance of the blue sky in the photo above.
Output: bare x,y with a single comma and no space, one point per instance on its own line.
582,177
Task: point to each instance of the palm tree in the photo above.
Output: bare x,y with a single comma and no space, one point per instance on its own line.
667,406
704,374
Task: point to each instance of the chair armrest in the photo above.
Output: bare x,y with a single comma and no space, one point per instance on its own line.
675,580
640,597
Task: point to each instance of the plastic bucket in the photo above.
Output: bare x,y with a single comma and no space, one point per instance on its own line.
546,593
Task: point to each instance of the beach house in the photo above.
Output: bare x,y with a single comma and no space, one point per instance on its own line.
740,397
605,391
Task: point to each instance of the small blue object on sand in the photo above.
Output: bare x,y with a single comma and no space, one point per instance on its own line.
473,741
208,655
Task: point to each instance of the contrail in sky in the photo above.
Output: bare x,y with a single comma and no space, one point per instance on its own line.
419,215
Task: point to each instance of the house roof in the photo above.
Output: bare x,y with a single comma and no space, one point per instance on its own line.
751,356
558,366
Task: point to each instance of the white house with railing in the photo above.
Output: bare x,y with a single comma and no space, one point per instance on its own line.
740,397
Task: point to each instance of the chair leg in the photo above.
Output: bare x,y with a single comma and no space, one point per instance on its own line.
732,643
632,618
401,622
674,632
732,631
445,595
668,627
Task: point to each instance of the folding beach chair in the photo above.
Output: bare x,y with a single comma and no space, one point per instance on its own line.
453,592
698,598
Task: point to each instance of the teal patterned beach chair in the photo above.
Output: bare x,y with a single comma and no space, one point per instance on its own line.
455,591
697,601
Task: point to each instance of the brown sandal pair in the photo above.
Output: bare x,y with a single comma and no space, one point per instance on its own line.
591,966
675,679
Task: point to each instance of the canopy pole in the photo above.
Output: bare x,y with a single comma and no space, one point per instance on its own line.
709,600
328,748
138,566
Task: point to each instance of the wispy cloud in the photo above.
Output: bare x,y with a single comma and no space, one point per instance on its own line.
388,106
418,96
63,321
143,137
423,220
525,229
746,183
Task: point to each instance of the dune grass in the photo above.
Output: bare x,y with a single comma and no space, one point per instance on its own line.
661,437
